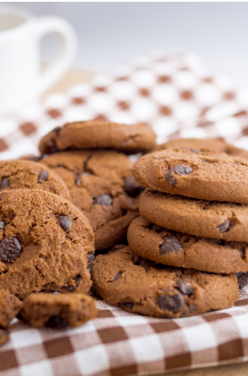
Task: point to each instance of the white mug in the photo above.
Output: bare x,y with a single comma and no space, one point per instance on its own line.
21,81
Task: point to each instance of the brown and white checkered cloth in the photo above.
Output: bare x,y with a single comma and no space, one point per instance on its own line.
178,97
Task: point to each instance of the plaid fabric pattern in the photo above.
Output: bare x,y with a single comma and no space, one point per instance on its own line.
177,96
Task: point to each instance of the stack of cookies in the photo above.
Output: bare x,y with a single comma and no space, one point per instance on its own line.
191,238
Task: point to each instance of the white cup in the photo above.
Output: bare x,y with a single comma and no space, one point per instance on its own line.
21,81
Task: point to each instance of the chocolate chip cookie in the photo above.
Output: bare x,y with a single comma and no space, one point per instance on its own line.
207,176
93,134
44,243
209,145
58,310
10,305
140,286
30,175
174,248
101,185
210,219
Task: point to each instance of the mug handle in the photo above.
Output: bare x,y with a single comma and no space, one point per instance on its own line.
68,41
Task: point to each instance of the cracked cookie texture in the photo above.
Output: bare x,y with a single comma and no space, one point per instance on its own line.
58,311
30,175
93,134
210,219
101,185
140,286
45,242
174,248
209,145
201,175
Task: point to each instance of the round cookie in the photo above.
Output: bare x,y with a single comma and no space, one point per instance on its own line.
24,174
140,286
169,247
210,219
209,145
93,134
101,185
58,310
45,242
207,176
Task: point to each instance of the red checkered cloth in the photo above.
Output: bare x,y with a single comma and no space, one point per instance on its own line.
178,97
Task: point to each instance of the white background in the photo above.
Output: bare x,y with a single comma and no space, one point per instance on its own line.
111,33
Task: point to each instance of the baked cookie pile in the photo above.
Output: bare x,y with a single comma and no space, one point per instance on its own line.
190,240
91,157
48,210
183,209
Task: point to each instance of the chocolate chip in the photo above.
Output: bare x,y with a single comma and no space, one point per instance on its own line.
65,222
224,227
4,183
78,179
192,308
242,253
141,262
132,187
178,170
128,305
184,287
2,225
118,275
91,259
170,244
43,176
10,248
57,130
57,322
103,200
69,287
172,303
182,170
194,151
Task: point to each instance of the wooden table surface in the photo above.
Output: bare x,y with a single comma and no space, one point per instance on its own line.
75,77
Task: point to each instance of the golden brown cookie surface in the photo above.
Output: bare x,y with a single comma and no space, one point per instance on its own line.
93,134
140,286
44,243
210,219
174,248
207,176
23,174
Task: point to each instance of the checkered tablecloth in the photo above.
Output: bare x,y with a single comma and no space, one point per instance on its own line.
177,96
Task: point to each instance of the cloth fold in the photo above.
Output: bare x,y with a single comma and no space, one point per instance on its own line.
178,97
